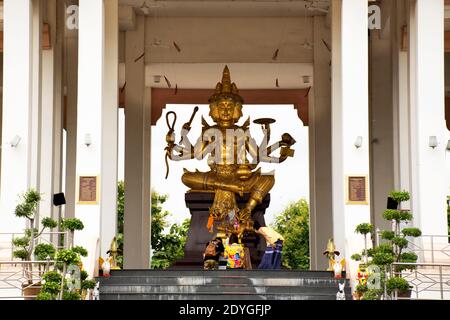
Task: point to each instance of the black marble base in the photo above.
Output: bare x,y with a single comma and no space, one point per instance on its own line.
198,204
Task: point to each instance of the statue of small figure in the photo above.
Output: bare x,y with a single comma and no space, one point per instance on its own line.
97,291
331,254
233,156
113,251
340,295
338,267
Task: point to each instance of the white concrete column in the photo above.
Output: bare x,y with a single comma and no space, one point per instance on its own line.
17,89
89,119
36,96
97,118
109,156
58,101
137,154
49,113
426,90
380,110
71,67
401,146
321,218
349,118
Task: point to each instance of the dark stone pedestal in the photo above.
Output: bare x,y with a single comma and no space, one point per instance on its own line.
198,204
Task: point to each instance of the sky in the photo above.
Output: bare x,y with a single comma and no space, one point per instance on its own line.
291,176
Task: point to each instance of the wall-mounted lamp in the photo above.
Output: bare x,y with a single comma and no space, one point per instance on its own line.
15,141
358,142
87,139
433,142
306,79
156,78
448,145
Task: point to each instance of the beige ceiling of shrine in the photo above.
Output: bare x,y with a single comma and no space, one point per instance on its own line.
230,8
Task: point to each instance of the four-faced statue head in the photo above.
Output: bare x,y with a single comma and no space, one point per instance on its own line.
225,104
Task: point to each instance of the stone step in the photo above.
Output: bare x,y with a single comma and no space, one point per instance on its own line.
221,297
215,273
216,289
221,280
220,285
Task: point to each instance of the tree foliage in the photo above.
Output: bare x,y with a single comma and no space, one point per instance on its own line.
293,224
167,246
120,205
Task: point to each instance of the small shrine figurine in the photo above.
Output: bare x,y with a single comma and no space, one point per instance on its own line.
106,267
340,295
97,291
113,251
362,275
331,254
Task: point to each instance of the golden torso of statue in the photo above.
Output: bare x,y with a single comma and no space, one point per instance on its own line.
230,149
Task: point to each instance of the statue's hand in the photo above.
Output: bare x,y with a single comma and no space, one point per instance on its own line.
286,152
170,138
186,127
287,140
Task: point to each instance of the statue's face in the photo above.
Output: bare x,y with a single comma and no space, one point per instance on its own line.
226,112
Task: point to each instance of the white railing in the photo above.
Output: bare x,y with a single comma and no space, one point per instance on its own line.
429,248
427,281
22,279
7,248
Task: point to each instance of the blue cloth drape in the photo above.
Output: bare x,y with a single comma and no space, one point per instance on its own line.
266,261
272,257
277,255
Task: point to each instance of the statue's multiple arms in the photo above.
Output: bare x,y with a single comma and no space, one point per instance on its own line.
187,151
263,153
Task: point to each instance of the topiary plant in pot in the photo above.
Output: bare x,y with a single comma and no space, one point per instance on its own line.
397,238
25,247
67,281
393,249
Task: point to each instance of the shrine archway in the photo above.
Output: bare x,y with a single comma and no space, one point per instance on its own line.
293,104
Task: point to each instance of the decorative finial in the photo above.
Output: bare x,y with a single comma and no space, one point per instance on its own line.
226,80
226,89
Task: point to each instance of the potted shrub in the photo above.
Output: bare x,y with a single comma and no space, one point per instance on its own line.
397,239
57,286
392,250
24,247
51,286
72,225
86,287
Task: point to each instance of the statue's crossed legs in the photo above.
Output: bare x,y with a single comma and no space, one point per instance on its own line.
258,185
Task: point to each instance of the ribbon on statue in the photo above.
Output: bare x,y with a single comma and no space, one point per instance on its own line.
210,223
